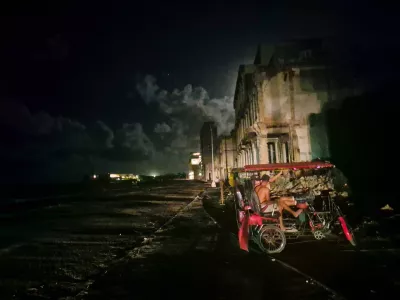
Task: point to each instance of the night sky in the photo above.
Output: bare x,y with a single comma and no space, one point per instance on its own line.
125,88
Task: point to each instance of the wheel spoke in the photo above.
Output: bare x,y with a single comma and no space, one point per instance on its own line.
272,240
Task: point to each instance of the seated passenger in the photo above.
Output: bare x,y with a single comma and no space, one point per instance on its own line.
267,205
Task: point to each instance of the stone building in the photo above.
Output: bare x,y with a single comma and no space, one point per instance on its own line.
276,101
195,167
226,152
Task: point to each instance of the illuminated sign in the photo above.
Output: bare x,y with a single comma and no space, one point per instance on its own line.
195,161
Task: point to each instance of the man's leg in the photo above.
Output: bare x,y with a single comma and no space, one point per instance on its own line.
283,228
273,207
289,201
284,202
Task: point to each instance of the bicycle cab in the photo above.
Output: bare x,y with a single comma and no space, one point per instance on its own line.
314,182
240,201
239,196
252,196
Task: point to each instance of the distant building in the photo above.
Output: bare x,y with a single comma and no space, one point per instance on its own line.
195,169
208,134
115,177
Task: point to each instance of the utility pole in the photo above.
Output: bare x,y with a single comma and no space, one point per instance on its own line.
212,158
226,160
292,114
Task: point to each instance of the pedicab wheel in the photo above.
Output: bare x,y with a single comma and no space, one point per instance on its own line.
272,239
318,235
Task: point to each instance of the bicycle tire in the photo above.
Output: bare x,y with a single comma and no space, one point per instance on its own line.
279,233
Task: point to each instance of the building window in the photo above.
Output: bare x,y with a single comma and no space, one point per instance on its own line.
271,153
285,152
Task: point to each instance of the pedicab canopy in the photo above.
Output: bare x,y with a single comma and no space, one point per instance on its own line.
286,166
314,175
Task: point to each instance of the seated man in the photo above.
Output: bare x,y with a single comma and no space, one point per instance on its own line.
267,205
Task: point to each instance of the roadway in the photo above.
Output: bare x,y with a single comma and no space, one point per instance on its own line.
164,241
54,248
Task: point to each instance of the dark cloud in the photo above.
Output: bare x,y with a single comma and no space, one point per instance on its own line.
104,133
190,106
60,148
133,138
48,148
185,110
149,90
162,128
18,117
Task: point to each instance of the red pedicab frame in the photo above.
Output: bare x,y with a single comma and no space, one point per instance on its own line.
254,221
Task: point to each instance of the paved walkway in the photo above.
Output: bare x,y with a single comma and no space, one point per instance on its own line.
194,258
56,251
367,272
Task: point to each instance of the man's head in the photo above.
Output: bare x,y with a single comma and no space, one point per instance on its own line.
264,179
255,179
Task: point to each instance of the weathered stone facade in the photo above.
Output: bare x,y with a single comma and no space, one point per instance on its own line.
275,101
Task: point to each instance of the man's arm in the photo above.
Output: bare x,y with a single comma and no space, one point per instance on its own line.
275,177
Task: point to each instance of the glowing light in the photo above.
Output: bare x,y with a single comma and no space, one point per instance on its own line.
195,161
94,176
191,175
114,176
